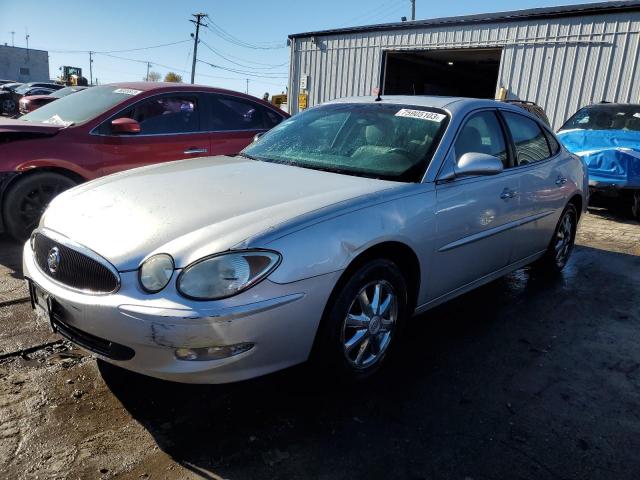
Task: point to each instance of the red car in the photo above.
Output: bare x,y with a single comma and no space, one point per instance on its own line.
109,128
31,102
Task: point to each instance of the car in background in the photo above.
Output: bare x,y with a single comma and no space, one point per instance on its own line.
607,137
109,128
32,102
319,241
4,82
531,107
9,98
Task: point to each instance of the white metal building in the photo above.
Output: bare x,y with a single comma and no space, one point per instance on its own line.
23,64
562,58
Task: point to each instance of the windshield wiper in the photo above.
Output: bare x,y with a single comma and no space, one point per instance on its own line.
246,155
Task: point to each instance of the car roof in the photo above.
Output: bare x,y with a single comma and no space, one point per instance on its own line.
455,105
172,87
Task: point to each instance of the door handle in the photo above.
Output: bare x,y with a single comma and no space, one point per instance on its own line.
507,194
191,150
561,181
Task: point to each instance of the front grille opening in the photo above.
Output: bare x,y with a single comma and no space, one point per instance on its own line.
92,343
74,269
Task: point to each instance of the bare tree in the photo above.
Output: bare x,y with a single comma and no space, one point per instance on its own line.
153,77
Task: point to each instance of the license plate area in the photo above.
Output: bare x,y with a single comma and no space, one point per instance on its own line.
42,303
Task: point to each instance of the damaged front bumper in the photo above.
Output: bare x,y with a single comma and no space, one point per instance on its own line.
276,321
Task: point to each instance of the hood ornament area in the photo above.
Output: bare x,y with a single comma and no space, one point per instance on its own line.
53,260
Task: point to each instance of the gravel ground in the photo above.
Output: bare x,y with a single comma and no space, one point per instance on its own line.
525,378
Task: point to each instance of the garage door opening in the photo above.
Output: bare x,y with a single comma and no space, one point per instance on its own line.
471,72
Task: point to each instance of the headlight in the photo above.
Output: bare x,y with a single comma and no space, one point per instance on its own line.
226,274
155,272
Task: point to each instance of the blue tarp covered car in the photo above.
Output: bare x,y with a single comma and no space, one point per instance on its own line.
607,137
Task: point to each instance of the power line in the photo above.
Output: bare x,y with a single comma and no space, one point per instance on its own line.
250,74
120,51
236,41
239,64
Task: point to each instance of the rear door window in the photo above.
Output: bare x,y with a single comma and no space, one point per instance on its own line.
529,140
228,113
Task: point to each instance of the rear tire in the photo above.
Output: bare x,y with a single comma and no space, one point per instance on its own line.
561,245
27,199
361,328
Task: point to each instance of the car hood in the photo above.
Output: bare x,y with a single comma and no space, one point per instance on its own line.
8,125
193,208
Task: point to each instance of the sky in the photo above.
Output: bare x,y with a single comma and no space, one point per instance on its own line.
244,39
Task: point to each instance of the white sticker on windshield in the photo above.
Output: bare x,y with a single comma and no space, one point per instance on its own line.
637,114
127,91
56,120
421,115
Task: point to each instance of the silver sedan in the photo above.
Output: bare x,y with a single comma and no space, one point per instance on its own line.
318,242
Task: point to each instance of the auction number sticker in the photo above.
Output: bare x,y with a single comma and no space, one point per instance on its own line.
127,91
421,115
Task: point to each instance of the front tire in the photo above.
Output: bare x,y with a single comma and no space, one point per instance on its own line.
562,242
363,321
28,198
8,106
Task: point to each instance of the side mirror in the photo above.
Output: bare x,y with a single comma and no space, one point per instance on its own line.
257,136
475,163
125,125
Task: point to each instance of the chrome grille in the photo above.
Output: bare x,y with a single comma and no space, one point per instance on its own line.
75,269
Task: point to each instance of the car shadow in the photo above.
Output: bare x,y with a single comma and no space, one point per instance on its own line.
486,376
11,255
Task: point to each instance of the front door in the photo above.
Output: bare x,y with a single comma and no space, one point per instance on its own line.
170,129
475,215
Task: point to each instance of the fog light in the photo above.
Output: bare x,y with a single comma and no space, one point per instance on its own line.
212,353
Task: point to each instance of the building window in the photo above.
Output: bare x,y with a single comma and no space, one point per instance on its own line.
24,71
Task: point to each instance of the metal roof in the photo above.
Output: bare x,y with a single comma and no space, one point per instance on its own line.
532,13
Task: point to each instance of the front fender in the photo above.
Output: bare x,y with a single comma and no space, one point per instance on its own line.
331,245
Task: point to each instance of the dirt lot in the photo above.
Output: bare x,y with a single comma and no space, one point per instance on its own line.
525,378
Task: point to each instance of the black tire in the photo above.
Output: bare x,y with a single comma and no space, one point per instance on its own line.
558,252
8,106
635,204
27,199
330,355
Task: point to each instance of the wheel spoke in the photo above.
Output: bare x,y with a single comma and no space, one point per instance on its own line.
365,305
384,306
356,340
375,303
363,348
374,342
357,321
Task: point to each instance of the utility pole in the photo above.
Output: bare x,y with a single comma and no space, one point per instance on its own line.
90,68
247,91
13,34
413,9
199,16
148,67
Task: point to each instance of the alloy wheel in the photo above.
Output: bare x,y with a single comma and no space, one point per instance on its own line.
370,324
8,105
564,239
33,205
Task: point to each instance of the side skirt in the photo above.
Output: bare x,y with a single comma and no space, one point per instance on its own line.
476,283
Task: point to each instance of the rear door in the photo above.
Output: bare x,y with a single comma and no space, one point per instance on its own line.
542,184
170,129
475,215
233,121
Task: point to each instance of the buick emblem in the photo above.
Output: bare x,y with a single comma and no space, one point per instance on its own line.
53,260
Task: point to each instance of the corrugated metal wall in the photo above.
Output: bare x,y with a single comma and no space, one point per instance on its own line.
561,64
